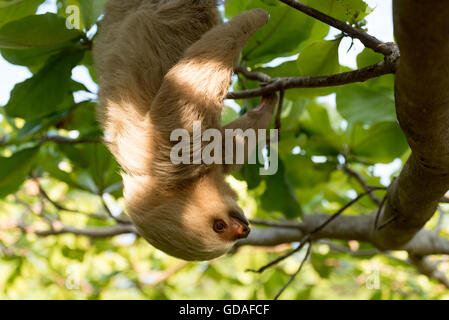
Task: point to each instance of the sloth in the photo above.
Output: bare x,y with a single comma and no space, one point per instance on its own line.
162,65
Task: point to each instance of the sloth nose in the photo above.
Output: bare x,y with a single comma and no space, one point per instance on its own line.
243,232
240,230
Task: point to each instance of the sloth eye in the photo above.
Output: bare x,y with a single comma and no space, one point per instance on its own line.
219,226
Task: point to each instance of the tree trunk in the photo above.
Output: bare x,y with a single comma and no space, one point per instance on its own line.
422,105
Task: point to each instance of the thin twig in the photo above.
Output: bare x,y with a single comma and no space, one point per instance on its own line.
42,214
159,277
308,237
440,219
379,210
358,253
276,84
252,75
429,268
93,232
385,223
389,50
283,257
63,208
109,212
293,276
278,121
59,139
362,182
367,40
444,199
277,224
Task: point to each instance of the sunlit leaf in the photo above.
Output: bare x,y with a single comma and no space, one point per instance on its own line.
14,10
279,194
38,31
282,36
359,103
44,92
13,170
382,142
91,10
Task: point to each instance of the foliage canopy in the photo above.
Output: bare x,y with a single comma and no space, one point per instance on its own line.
55,172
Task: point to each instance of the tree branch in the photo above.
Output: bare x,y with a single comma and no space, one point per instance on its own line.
342,249
92,232
309,235
367,40
429,268
119,219
276,84
59,139
258,76
423,113
359,228
59,206
362,182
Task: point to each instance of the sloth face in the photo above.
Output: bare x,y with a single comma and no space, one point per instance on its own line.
201,222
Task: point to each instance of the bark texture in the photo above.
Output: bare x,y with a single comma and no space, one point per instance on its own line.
422,105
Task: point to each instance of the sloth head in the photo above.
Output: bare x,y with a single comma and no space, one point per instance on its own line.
201,222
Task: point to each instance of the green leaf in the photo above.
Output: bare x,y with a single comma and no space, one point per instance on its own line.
14,170
359,103
77,86
95,168
43,93
228,115
345,10
318,262
319,137
82,118
251,175
368,57
320,58
271,2
34,126
317,58
14,10
103,167
37,31
304,173
51,166
291,112
282,35
75,254
234,7
32,57
17,271
382,142
316,120
280,195
88,62
290,69
91,10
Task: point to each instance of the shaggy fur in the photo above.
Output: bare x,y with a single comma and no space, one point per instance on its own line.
162,65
